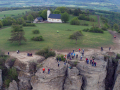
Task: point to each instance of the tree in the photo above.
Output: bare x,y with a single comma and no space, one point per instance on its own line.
65,17
30,18
17,34
20,21
56,12
61,9
44,14
8,21
116,27
76,12
76,35
1,25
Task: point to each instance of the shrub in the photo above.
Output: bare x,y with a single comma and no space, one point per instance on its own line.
75,63
46,53
61,56
75,21
36,31
104,28
119,31
12,73
6,82
28,24
96,30
86,30
118,56
39,38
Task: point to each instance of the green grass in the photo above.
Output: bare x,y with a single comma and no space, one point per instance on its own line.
53,39
12,12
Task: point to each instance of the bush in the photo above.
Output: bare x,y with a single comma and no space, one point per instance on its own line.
36,32
118,56
104,28
119,31
86,30
61,56
28,24
46,53
6,82
12,73
39,38
75,21
96,30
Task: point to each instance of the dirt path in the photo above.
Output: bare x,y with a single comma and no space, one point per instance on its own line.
115,40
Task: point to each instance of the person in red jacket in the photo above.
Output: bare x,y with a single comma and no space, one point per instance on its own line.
114,36
43,70
79,49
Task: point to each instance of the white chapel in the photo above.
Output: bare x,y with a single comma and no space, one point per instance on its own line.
55,18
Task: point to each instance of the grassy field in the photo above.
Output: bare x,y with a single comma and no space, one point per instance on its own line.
12,13
55,40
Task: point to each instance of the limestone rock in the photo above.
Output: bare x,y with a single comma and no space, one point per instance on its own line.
73,80
24,82
1,78
117,78
9,62
52,81
13,85
20,65
117,83
94,77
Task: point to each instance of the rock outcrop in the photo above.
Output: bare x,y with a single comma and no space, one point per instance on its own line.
1,78
13,85
52,81
73,80
94,77
117,78
24,82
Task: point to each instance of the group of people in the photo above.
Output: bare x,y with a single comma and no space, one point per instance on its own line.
102,48
16,51
44,70
92,62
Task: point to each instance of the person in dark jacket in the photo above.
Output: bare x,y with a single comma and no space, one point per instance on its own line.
48,71
95,64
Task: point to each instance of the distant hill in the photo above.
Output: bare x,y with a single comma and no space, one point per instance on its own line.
93,4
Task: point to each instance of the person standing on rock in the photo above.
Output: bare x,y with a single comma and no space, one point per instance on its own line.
82,53
58,64
79,49
109,48
43,70
57,59
91,61
73,51
81,57
8,53
48,71
95,64
86,60
101,48
77,56
83,50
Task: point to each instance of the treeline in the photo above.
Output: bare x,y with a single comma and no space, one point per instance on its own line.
13,8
